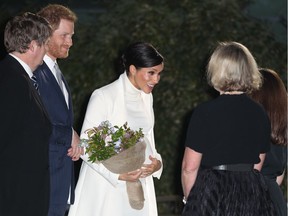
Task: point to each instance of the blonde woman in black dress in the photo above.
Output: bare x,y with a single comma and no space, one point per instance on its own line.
226,142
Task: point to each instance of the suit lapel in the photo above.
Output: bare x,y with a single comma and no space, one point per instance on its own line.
16,66
49,87
50,78
36,96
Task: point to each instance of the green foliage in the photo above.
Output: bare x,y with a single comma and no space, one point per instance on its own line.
106,140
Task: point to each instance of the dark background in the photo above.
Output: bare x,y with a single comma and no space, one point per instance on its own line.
185,32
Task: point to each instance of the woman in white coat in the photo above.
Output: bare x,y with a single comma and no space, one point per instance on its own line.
100,192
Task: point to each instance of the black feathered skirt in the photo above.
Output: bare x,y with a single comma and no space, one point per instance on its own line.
229,193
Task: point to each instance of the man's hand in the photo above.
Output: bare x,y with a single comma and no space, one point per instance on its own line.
75,151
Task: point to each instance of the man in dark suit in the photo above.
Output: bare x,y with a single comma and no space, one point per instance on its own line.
56,96
24,124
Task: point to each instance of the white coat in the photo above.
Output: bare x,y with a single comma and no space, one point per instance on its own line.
98,191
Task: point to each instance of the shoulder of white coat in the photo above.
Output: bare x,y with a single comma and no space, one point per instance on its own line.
109,91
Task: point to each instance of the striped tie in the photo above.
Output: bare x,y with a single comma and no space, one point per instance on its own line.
35,84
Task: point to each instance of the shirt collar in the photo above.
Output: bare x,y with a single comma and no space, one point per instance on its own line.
50,63
24,65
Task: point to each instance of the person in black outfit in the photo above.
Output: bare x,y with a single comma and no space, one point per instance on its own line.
273,97
25,127
226,142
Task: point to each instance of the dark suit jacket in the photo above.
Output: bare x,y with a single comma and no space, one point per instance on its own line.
61,166
24,131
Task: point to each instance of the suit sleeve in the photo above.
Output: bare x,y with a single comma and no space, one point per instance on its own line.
96,113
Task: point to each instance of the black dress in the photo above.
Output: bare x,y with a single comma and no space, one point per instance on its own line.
230,129
274,165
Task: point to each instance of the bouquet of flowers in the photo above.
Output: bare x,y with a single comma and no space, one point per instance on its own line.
106,140
120,150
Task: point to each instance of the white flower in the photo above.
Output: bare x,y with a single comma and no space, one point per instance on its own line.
83,143
108,140
117,143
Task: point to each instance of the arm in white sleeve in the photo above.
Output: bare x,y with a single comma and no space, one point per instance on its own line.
158,173
97,111
102,170
156,155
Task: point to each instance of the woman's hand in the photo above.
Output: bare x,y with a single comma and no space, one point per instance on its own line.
149,169
131,176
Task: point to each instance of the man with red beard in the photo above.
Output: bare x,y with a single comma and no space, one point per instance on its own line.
56,96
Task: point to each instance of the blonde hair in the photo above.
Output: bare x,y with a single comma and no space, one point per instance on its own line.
233,68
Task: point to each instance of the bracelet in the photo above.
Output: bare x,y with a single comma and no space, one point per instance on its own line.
184,200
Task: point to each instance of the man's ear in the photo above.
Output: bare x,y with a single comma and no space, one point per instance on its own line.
33,45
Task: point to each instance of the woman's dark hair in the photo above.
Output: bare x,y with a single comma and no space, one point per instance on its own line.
273,97
141,55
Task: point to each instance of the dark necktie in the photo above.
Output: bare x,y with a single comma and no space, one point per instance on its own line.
35,84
